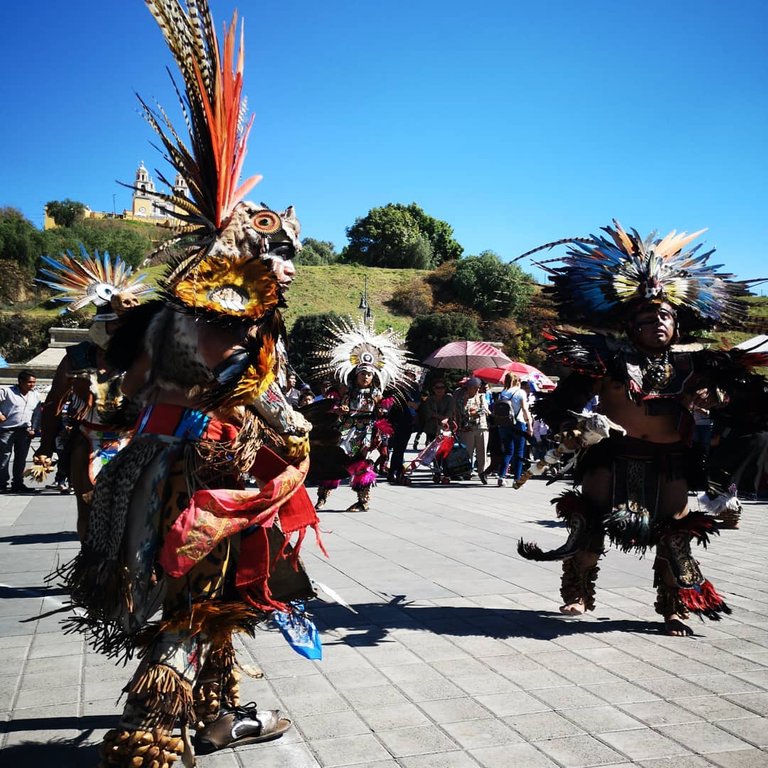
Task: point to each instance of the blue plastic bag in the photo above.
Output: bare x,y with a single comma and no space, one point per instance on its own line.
300,632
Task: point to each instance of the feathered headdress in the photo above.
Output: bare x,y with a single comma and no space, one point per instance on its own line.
214,111
602,279
352,346
226,268
99,280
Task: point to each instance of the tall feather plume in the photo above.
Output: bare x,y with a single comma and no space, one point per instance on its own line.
601,277
213,107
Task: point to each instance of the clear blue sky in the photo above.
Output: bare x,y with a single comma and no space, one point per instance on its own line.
516,122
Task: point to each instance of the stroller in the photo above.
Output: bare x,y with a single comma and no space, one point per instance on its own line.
447,456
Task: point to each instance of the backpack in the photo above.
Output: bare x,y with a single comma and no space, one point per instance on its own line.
502,413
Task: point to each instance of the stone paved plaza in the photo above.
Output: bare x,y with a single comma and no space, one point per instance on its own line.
456,657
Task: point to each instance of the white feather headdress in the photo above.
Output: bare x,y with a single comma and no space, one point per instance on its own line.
353,344
90,279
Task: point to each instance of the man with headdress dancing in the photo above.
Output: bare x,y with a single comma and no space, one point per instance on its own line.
84,381
632,455
173,525
368,364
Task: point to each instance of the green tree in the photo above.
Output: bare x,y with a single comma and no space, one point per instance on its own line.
491,287
428,332
438,232
19,239
65,212
316,252
400,236
304,341
131,241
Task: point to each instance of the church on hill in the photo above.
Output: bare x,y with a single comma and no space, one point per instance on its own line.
145,205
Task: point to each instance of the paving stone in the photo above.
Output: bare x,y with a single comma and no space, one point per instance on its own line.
276,754
671,687
224,759
40,736
748,758
417,741
374,696
67,676
34,697
642,744
679,761
703,737
513,663
532,680
14,641
485,682
349,750
722,683
714,707
307,704
512,756
542,725
587,673
502,704
488,732
579,752
440,760
568,697
454,710
621,692
751,729
601,719
659,713
757,702
346,679
758,677
394,716
330,725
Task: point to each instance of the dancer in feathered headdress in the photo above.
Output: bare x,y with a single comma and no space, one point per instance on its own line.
173,522
85,391
367,365
632,455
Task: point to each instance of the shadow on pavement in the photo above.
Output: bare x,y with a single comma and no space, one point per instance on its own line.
8,593
87,724
547,523
374,621
62,753
40,538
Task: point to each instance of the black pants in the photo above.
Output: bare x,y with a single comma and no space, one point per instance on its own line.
398,442
16,439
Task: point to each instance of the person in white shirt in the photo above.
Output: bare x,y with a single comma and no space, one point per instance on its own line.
19,414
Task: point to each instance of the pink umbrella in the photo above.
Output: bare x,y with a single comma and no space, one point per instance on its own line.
467,355
523,370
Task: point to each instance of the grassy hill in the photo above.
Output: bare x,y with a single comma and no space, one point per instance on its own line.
335,288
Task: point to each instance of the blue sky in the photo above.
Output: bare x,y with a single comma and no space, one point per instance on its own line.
517,123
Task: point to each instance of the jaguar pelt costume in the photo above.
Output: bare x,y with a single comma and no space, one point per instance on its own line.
195,516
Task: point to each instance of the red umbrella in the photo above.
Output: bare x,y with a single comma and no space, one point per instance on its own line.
523,370
467,355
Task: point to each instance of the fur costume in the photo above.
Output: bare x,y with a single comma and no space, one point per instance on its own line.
603,282
196,514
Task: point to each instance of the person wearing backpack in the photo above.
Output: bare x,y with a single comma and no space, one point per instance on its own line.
513,421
